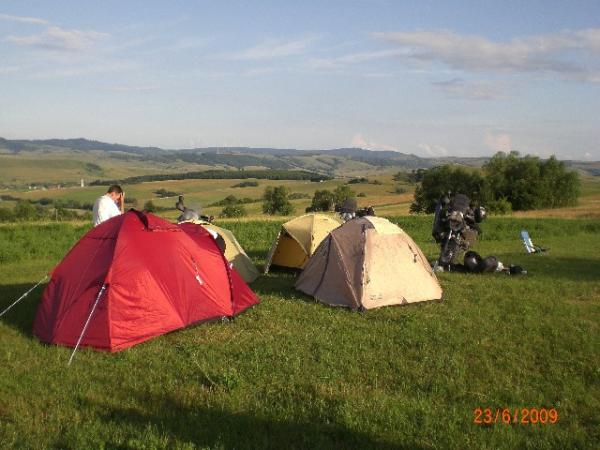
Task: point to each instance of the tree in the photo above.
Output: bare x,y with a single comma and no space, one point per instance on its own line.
233,210
275,201
509,182
131,201
342,193
441,180
530,183
414,176
230,200
322,201
163,193
149,206
6,215
245,184
24,210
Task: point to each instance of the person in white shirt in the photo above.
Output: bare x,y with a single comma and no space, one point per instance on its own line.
109,205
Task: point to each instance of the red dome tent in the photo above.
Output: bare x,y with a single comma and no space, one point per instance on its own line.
135,277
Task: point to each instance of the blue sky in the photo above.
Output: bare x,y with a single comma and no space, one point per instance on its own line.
430,78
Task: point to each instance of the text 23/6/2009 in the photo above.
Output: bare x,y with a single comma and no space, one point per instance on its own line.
509,416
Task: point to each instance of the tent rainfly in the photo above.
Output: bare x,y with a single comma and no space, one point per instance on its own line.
134,277
367,263
298,239
234,252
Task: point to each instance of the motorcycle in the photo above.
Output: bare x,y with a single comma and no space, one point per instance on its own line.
455,228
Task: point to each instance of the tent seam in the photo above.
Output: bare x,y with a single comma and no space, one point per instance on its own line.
326,266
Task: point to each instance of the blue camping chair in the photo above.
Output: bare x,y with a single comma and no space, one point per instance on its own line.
528,243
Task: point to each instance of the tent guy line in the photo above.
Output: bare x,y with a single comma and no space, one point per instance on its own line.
24,295
87,322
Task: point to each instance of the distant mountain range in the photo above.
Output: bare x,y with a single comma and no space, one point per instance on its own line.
334,162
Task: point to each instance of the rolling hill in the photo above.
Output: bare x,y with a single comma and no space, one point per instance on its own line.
67,161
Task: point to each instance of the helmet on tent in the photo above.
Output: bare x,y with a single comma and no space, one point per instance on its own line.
366,263
298,239
146,276
234,252
188,214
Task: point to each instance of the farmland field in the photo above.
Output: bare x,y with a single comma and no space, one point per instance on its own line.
200,193
380,192
69,166
293,373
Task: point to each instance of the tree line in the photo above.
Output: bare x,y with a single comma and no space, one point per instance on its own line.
25,211
507,182
218,175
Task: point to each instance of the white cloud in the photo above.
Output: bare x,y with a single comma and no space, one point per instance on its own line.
353,58
570,54
23,19
433,150
498,142
361,142
273,49
85,68
56,38
473,90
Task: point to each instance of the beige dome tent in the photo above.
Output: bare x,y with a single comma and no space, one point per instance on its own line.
366,263
298,239
234,252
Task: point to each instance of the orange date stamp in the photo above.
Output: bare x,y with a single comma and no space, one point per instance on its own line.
515,416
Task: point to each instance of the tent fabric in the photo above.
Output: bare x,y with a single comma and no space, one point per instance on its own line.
157,279
298,240
234,252
368,263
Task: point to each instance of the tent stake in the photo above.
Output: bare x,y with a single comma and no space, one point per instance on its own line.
87,322
23,296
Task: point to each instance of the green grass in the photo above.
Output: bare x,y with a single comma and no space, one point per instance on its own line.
292,373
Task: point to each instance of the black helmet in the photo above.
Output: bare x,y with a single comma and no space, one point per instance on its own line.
473,262
489,264
349,206
188,214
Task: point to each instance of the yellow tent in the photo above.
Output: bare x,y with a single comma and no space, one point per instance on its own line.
234,252
298,239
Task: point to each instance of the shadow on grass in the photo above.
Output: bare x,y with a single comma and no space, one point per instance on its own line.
280,284
22,314
207,427
573,269
259,256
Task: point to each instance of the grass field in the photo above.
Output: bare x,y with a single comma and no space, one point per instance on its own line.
200,193
61,165
292,373
56,167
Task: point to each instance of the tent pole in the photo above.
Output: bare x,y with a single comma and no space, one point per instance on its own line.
23,296
87,322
